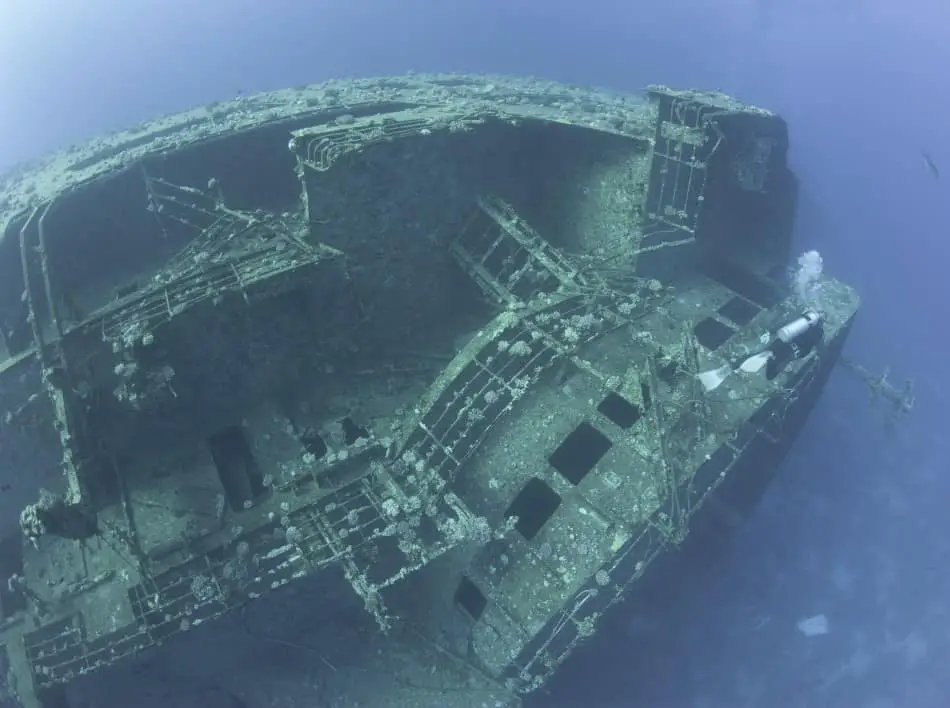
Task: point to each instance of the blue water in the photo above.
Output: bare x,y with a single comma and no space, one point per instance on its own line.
856,528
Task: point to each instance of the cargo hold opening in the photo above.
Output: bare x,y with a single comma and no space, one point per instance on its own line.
237,469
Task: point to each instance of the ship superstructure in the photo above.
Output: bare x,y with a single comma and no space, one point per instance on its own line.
450,323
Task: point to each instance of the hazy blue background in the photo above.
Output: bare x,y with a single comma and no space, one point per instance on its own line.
857,527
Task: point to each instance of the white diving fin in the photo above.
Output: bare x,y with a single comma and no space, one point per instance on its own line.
755,363
711,380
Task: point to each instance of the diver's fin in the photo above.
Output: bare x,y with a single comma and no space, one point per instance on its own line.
711,380
755,363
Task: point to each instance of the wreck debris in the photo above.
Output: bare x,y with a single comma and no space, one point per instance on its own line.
930,164
900,399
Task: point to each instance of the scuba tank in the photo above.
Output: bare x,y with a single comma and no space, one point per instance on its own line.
795,340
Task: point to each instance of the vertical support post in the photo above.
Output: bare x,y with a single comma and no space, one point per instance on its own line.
47,283
38,342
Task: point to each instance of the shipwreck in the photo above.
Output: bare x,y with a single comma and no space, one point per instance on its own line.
450,327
